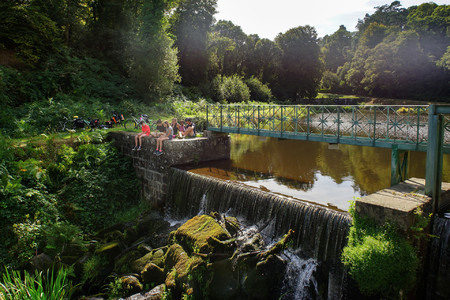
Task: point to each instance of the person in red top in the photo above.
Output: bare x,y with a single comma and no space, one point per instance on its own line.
138,137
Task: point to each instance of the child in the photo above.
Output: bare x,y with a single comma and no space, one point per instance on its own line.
160,129
138,137
181,129
175,126
166,136
189,128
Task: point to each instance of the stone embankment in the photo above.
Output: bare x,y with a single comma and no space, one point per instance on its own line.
153,170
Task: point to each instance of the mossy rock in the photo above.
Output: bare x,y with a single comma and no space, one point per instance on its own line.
232,225
156,256
179,265
263,281
131,284
193,235
225,282
152,274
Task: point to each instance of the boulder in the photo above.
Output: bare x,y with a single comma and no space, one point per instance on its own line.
155,294
42,262
153,274
193,235
131,284
156,256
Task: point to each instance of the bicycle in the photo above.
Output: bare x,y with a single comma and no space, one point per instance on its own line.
74,124
135,122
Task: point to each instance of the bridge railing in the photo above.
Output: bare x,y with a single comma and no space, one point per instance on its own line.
382,126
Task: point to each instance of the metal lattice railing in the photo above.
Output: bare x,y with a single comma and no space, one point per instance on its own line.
378,126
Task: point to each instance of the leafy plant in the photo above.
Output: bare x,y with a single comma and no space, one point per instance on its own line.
230,89
380,259
51,285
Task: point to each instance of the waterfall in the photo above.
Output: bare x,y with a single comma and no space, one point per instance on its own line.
320,233
438,273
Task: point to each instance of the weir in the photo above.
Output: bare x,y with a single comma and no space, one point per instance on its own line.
320,233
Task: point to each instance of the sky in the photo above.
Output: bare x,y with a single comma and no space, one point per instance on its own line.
267,18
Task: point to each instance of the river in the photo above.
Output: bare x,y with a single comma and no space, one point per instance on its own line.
329,175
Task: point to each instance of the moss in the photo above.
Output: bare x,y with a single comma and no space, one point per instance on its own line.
381,260
156,256
193,235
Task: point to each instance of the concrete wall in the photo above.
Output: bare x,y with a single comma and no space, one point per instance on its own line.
153,170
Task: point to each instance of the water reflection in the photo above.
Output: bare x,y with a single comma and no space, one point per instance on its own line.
311,170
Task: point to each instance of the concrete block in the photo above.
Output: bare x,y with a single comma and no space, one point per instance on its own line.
395,204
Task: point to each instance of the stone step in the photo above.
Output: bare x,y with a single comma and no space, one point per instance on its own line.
397,203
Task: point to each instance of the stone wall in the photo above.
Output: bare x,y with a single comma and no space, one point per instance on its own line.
153,170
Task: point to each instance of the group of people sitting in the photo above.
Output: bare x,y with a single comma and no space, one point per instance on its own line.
165,131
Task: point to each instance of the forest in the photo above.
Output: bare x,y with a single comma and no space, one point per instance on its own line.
60,58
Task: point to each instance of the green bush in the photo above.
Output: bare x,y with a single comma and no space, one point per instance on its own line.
258,90
380,259
229,89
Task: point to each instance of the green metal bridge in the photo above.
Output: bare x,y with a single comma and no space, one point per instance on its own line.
402,128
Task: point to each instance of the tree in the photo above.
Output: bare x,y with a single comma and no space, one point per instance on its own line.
301,66
336,48
388,15
432,22
153,58
191,22
26,32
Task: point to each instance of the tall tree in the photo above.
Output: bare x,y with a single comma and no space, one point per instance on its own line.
191,22
301,66
153,59
336,49
26,34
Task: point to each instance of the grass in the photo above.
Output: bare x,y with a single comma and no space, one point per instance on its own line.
47,286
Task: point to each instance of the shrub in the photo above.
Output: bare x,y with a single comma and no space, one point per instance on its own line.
230,89
258,90
380,259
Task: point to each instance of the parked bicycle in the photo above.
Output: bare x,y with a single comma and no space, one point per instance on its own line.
78,123
136,122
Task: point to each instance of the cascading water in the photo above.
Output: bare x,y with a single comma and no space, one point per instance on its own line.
438,273
320,233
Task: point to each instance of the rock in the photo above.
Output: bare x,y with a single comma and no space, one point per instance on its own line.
263,281
256,243
153,274
131,283
42,262
156,256
179,266
232,225
224,284
155,294
193,235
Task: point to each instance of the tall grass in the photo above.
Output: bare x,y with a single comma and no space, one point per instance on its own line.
39,286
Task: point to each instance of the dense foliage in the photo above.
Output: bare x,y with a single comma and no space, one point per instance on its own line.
52,194
379,258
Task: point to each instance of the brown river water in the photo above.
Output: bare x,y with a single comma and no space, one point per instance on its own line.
311,171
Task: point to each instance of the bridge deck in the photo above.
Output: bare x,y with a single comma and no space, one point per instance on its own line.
375,126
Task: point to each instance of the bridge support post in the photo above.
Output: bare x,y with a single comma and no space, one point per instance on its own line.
399,165
433,176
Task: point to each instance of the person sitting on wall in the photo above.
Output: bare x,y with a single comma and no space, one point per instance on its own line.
181,129
160,129
175,126
138,137
189,128
166,136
